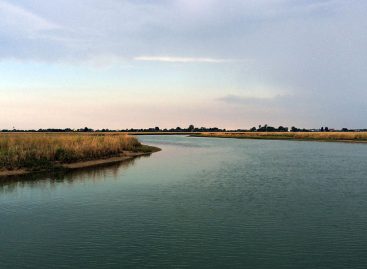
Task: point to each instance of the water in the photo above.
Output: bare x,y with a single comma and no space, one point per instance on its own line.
199,203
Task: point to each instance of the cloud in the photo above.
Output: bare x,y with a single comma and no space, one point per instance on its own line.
25,35
20,19
254,100
170,59
226,31
222,29
313,49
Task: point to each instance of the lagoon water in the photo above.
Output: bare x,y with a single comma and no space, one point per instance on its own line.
199,203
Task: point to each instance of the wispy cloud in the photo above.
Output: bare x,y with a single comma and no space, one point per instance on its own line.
22,19
254,100
170,59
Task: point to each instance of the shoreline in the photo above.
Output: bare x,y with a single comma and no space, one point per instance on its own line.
284,138
126,155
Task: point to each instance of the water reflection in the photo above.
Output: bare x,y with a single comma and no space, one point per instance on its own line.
51,179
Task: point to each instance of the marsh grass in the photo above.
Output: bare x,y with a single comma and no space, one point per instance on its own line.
320,136
38,151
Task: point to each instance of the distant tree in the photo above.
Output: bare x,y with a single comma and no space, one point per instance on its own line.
282,129
345,130
267,128
191,128
322,129
326,129
85,129
253,129
156,129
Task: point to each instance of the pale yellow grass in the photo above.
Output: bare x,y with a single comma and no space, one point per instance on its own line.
327,136
38,150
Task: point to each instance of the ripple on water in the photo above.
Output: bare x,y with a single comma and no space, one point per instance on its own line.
200,203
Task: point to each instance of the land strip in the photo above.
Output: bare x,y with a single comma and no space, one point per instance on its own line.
22,153
351,137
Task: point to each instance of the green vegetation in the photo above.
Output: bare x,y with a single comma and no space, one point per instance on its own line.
146,149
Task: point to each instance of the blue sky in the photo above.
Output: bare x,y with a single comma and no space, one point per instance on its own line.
231,64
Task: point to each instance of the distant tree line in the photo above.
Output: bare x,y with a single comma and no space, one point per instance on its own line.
190,128
267,128
49,130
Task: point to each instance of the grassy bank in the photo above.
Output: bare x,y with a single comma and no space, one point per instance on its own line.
313,136
46,151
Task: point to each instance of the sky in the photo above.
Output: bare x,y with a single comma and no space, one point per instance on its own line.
143,63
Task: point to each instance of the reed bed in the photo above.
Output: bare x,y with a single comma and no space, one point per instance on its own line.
29,150
319,136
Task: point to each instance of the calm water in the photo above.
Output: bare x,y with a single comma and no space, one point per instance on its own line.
199,203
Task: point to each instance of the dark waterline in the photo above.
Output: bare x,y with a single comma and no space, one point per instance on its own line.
199,203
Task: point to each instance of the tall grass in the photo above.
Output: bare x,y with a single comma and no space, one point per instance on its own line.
42,150
327,136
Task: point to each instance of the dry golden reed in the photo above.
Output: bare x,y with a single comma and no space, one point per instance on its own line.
38,150
327,136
